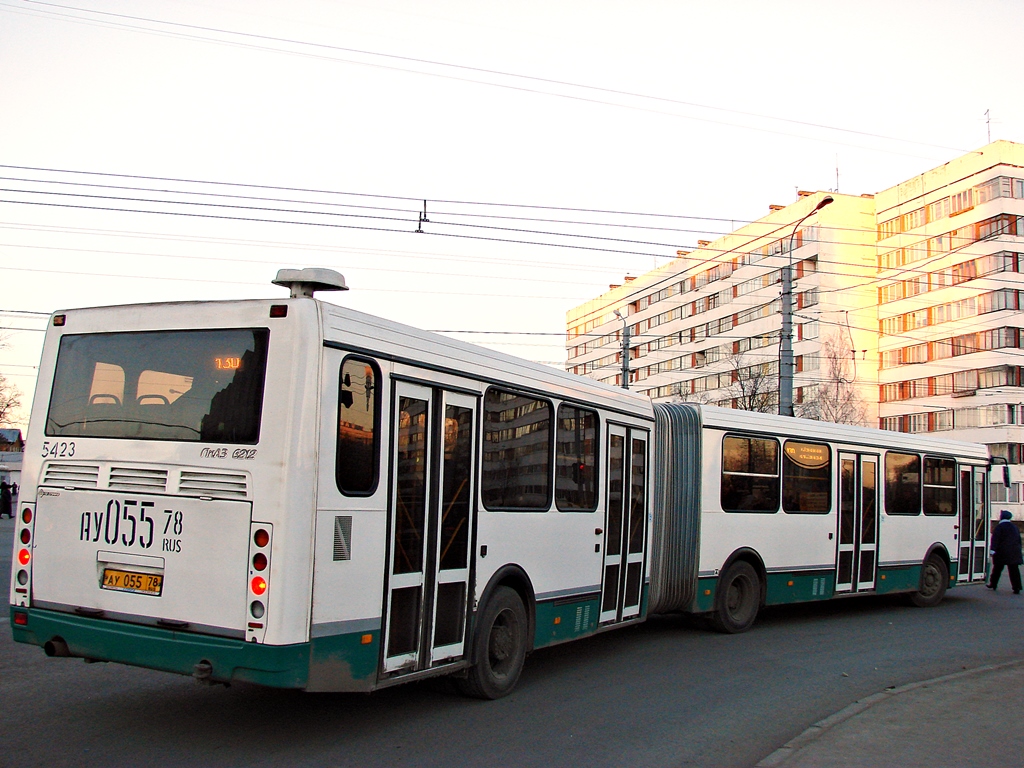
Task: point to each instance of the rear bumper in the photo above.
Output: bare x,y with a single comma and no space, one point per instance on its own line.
278,666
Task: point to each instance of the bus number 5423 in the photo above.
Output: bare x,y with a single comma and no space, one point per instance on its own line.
58,450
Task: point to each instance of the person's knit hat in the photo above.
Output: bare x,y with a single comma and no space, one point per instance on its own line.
1005,515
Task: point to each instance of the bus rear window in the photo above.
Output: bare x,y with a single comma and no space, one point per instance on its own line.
193,386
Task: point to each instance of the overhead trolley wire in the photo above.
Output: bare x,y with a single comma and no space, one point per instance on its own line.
410,212
483,71
407,198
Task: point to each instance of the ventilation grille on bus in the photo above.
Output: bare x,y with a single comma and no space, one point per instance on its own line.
72,475
343,537
137,479
222,484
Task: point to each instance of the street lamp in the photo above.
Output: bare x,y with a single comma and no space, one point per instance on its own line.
625,349
786,340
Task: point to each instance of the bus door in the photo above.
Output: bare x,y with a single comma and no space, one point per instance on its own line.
857,534
625,531
973,523
431,525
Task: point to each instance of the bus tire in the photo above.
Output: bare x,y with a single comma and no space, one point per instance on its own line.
934,580
500,647
738,599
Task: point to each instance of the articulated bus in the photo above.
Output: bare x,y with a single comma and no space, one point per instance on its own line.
291,493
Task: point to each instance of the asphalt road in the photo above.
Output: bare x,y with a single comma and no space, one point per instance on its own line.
665,693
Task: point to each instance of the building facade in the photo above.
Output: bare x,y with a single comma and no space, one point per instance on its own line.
951,253
908,303
706,326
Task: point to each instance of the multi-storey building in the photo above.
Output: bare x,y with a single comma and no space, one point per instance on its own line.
921,285
949,285
706,325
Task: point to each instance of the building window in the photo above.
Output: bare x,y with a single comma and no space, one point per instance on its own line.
960,202
939,209
889,228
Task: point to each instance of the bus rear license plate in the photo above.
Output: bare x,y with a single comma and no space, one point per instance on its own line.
126,581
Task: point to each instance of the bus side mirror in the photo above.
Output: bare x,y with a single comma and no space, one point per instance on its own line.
346,398
1006,475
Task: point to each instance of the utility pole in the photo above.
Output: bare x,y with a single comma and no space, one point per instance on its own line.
625,350
786,341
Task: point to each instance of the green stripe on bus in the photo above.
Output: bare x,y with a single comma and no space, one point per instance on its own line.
278,666
344,662
784,588
705,600
560,621
902,578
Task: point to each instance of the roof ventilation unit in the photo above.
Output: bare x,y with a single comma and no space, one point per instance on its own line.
303,282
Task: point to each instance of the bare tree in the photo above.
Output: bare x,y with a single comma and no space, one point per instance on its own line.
756,386
10,396
835,398
10,401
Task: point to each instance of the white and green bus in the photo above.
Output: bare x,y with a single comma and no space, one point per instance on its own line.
291,493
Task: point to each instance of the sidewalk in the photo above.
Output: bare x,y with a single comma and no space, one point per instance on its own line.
969,718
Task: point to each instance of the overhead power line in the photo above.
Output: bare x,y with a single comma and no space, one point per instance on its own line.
370,195
477,71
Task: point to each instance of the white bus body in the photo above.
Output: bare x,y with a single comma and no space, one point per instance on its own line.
299,495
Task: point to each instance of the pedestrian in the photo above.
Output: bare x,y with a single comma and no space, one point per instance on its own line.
6,499
1006,551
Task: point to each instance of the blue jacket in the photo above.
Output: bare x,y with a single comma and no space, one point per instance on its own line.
1006,543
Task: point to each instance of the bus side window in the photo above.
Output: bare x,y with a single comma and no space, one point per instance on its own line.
576,460
357,458
939,486
517,452
750,474
806,477
902,483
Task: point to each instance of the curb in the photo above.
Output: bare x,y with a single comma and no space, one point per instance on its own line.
782,755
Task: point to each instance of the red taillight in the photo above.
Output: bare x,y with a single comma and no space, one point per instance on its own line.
261,538
25,536
21,619
258,585
259,562
279,310
24,557
26,515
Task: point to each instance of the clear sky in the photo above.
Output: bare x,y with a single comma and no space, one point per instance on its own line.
702,112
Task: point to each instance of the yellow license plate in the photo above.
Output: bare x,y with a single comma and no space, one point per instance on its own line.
126,581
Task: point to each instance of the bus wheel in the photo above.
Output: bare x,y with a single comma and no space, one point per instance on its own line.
738,598
500,647
934,580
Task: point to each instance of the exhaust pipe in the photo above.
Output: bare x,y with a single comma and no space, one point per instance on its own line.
203,672
56,646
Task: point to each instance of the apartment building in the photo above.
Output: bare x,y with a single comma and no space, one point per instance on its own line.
951,254
706,326
921,285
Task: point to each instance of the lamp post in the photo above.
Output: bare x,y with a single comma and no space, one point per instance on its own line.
625,349
786,340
